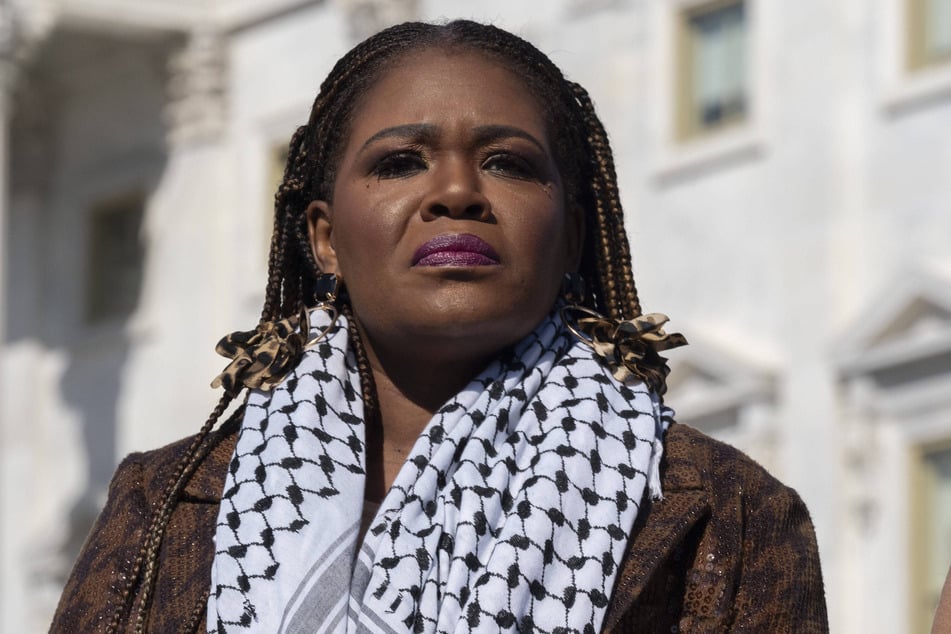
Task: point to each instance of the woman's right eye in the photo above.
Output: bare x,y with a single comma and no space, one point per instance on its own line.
399,165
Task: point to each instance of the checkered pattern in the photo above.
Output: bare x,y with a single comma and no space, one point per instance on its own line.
511,513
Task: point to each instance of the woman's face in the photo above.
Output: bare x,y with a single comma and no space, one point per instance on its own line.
448,222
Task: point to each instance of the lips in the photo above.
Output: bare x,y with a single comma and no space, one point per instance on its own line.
462,249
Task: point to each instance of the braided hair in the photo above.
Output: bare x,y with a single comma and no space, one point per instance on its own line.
582,154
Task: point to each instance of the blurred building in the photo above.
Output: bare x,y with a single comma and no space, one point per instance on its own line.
786,169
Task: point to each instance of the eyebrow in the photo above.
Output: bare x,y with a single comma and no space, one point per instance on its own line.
424,131
407,130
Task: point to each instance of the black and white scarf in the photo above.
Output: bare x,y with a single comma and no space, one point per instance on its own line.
511,513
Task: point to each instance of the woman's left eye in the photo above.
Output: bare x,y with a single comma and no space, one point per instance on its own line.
510,165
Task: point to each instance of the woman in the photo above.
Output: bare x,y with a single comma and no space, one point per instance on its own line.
474,442
942,616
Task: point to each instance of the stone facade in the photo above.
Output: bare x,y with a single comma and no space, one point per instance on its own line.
806,252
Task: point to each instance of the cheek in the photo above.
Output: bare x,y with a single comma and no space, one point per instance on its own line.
361,232
544,236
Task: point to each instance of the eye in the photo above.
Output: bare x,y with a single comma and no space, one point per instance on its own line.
510,165
399,164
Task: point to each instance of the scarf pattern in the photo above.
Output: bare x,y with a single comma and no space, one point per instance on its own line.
511,513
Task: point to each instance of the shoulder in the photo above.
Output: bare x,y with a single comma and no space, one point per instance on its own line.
107,565
758,529
728,548
694,460
152,471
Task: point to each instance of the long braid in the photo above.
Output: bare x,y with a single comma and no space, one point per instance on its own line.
371,406
614,256
199,613
282,280
372,417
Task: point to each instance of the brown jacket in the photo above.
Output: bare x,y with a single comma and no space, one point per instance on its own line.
729,549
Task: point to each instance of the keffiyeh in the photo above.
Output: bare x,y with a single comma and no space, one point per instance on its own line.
511,513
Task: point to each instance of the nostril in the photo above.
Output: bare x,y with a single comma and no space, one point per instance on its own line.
472,210
475,209
439,209
456,199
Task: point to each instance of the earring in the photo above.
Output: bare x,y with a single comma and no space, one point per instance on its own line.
261,358
325,289
573,288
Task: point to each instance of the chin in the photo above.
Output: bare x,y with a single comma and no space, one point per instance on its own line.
488,325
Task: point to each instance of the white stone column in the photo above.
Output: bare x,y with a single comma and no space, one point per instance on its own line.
186,287
8,463
197,86
7,73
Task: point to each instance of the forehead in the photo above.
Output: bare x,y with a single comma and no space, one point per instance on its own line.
447,87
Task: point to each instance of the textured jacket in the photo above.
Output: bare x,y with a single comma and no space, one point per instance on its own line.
729,549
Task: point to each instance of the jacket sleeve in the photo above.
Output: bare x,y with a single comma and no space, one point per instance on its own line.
94,589
780,586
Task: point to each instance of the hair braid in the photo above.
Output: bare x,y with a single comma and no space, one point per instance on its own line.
614,255
282,206
368,385
199,613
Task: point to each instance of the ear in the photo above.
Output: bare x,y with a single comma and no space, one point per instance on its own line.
574,237
320,232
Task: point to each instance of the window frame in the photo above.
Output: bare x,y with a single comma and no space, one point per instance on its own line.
920,620
93,311
917,56
674,159
905,86
685,128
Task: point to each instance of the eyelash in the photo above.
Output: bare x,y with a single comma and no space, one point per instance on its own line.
405,163
510,165
399,164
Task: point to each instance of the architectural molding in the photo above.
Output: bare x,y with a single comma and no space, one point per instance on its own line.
197,89
896,360
903,89
238,15
122,16
707,381
583,7
365,17
909,320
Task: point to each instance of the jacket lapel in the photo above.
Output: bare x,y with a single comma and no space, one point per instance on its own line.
662,525
208,481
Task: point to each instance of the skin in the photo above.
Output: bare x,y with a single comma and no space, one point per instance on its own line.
942,617
445,143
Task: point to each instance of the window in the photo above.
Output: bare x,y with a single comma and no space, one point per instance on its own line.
929,33
712,78
931,539
115,258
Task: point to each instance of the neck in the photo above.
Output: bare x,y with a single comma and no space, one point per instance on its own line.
411,386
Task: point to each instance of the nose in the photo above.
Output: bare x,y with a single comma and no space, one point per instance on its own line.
456,193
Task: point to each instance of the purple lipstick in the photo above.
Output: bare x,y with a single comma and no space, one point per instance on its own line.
462,249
